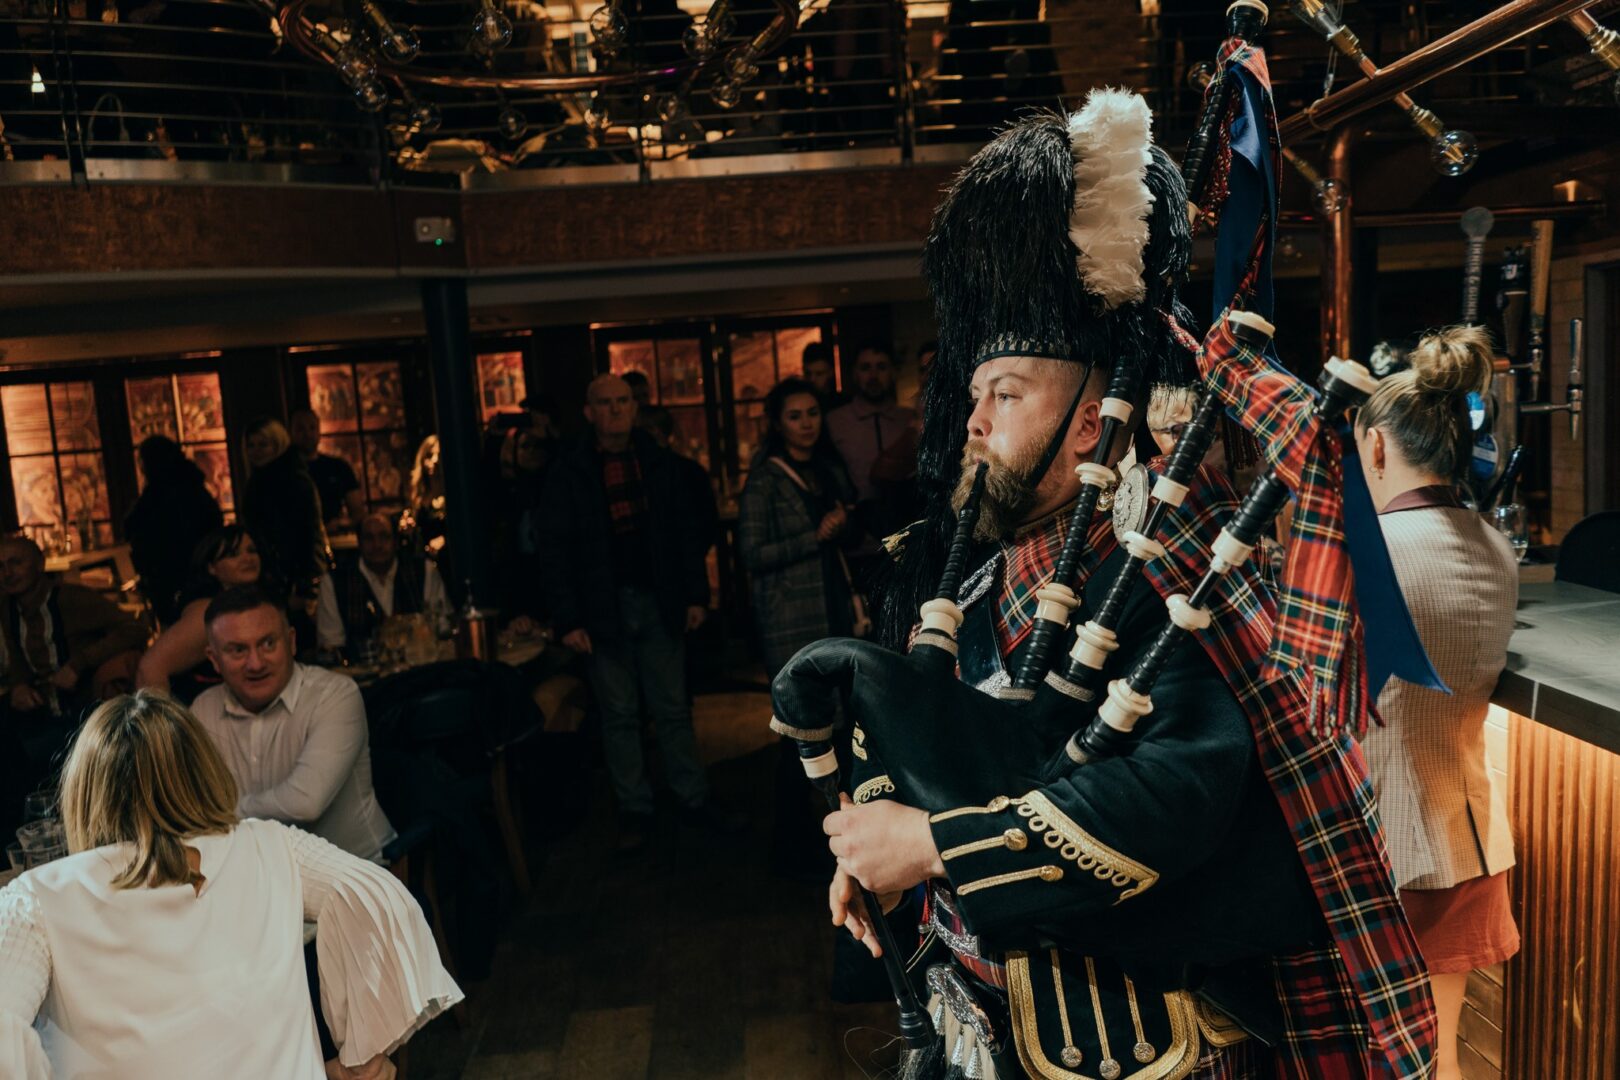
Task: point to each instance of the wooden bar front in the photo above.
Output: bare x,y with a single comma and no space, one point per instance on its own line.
1562,1001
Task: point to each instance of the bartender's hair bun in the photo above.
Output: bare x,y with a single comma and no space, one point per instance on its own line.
1423,411
1456,360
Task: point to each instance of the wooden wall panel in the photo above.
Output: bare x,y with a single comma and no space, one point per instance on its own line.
167,228
674,219
1562,1008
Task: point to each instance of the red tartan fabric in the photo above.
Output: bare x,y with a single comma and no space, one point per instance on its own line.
1320,782
621,483
1027,563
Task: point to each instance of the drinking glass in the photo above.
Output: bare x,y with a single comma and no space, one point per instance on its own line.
1510,521
16,856
40,806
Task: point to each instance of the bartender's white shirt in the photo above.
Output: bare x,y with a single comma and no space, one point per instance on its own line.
304,759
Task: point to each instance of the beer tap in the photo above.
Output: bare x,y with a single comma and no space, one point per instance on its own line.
1573,392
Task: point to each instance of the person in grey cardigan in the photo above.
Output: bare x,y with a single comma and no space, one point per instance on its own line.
793,513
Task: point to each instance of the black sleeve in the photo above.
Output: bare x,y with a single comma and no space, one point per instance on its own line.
1112,830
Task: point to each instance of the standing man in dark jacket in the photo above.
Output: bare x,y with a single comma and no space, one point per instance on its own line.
621,551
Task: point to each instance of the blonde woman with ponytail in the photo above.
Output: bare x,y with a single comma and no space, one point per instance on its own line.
170,942
1444,819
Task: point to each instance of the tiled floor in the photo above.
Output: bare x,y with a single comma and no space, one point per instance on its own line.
690,962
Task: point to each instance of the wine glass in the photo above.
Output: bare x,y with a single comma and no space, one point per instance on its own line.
1510,521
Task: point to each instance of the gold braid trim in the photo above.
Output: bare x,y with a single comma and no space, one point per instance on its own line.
1089,853
857,743
1177,1062
878,785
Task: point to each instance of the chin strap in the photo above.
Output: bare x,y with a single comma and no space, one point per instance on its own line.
1056,444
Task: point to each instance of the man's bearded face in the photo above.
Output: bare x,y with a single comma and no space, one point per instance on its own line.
1009,487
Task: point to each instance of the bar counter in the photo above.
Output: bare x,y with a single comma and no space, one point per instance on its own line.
1553,1011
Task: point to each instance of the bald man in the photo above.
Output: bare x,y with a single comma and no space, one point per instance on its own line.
622,555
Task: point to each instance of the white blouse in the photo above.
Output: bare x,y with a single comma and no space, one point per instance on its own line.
158,983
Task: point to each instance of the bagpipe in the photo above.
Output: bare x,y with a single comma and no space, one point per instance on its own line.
943,743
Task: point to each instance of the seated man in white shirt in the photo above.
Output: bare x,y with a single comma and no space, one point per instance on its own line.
359,593
294,737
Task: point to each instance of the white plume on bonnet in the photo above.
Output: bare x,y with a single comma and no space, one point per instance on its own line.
1110,136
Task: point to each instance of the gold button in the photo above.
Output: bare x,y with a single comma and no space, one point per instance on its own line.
1051,873
998,804
1015,839
1072,1057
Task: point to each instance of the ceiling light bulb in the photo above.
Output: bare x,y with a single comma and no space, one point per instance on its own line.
491,30
398,43
1453,152
36,85
511,123
1328,196
356,64
609,29
697,42
370,96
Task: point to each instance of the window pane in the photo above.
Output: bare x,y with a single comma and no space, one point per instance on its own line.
151,409
388,467
346,447
28,422
500,383
753,366
680,372
202,411
790,345
624,356
691,434
331,397
382,396
215,462
73,406
34,479
750,429
84,485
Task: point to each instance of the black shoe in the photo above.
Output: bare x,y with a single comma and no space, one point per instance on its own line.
713,817
634,833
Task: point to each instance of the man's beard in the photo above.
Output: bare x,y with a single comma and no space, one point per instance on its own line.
1009,489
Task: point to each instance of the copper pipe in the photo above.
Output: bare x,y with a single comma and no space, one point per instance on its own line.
1336,246
1507,23
1605,43
1574,210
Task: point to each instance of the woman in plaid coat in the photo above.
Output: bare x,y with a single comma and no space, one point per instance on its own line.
793,513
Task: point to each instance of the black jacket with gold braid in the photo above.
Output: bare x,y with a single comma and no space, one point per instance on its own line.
1166,870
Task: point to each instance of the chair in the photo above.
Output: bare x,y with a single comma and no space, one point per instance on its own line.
464,713
1590,553
397,777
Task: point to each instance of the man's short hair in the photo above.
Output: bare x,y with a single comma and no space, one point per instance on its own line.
878,347
817,352
636,378
240,598
22,541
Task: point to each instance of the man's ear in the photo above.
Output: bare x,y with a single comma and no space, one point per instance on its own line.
1085,430
213,658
